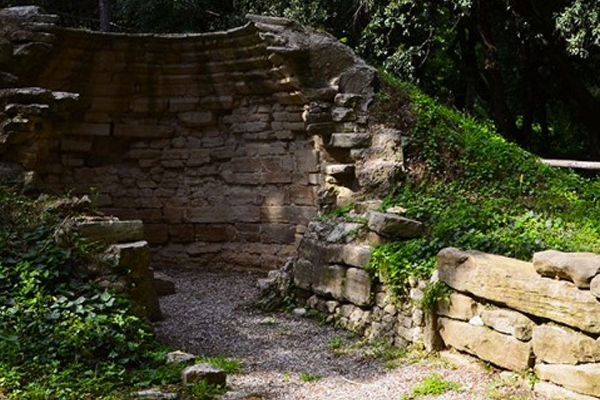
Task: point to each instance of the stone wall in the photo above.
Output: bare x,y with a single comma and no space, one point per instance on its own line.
330,274
520,315
225,144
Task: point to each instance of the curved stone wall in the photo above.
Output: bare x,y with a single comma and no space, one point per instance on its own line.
222,143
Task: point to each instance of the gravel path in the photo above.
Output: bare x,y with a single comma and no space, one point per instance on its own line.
212,315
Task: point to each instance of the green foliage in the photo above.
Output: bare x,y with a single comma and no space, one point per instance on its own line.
343,210
229,365
306,377
206,391
474,190
62,337
433,384
434,293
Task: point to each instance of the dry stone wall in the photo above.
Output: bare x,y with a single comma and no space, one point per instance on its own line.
520,315
225,144
330,273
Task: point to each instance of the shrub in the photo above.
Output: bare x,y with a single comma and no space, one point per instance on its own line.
475,190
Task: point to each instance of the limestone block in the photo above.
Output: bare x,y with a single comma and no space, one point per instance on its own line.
516,284
392,225
163,284
502,350
408,334
552,391
583,379
176,357
358,320
344,232
555,344
357,287
111,231
155,394
578,268
136,257
356,255
347,99
349,140
330,282
320,252
203,372
338,169
305,274
508,321
459,306
595,287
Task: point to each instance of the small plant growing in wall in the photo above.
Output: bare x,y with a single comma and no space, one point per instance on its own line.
434,293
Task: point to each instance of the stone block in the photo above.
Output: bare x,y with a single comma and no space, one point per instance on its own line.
555,344
90,129
111,231
142,131
349,140
136,257
204,372
552,391
181,233
517,284
508,322
499,349
584,379
459,307
305,274
157,234
394,226
196,118
578,268
215,233
356,255
329,281
278,233
177,357
357,287
164,285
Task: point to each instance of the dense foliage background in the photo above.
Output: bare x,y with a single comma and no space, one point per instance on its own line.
527,65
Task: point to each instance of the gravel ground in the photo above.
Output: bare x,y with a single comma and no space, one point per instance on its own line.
211,314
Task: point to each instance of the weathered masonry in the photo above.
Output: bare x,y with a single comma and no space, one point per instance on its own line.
224,144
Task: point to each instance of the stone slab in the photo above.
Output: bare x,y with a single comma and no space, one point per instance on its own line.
578,268
508,321
203,372
392,225
459,307
357,287
584,379
554,344
553,391
111,231
502,350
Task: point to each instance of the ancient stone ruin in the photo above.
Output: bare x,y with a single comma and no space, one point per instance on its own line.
226,146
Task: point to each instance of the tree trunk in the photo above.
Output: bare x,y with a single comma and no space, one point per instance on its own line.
575,90
501,113
104,15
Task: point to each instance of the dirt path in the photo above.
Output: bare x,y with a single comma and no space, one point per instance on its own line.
289,357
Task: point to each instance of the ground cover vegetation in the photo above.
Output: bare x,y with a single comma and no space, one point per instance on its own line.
474,189
61,335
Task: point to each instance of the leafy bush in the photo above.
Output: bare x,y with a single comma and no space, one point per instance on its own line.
474,190
61,336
